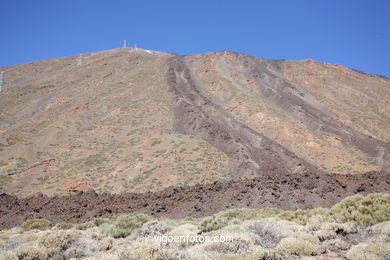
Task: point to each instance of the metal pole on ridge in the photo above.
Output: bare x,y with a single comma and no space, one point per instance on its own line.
1,80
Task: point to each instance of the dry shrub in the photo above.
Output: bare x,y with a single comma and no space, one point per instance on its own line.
56,242
183,231
269,233
234,216
153,228
213,223
323,235
381,228
296,246
31,253
237,247
258,255
6,255
307,237
372,251
73,253
105,244
148,249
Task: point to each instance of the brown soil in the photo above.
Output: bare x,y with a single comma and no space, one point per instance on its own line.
288,192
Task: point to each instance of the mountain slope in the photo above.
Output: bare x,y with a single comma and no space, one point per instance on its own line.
133,120
277,99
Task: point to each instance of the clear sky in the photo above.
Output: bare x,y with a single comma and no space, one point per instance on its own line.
353,33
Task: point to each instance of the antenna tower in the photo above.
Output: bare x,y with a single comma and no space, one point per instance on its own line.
80,60
1,80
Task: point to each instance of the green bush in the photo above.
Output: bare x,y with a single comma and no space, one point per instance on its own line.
295,246
40,224
124,225
369,210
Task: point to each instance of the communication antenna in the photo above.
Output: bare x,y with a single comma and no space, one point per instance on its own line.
135,46
1,80
80,60
124,44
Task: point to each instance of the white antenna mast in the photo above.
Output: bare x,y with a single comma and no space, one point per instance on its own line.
1,80
80,61
135,46
124,44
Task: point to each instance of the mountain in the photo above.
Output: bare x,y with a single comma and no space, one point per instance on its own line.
135,120
102,153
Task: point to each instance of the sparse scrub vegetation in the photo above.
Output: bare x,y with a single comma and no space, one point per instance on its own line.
257,234
94,160
4,180
156,141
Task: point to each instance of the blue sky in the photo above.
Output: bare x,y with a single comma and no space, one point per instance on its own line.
353,33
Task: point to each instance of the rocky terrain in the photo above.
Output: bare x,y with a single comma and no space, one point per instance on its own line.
287,192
